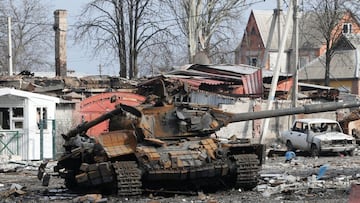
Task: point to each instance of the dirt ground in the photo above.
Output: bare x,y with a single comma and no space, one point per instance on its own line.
298,181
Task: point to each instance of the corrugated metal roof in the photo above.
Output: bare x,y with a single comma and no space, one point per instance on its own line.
241,69
200,74
209,98
221,79
198,81
253,83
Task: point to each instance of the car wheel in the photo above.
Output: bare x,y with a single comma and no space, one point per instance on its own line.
289,146
314,150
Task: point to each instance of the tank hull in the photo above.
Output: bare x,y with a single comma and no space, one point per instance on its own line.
188,165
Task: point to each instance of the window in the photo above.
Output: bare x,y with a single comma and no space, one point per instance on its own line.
11,118
253,31
347,28
41,113
18,124
298,127
5,118
18,112
253,61
17,118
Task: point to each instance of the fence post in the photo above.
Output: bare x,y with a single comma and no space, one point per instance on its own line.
17,142
53,132
41,139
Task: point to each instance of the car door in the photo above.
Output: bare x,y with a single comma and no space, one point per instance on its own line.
299,135
303,138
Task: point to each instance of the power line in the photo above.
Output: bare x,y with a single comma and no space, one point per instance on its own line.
156,21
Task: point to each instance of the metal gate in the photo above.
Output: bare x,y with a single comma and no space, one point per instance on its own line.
9,142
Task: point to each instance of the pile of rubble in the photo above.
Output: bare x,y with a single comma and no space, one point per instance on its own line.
13,166
307,177
14,163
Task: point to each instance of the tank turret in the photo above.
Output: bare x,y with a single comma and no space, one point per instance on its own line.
186,120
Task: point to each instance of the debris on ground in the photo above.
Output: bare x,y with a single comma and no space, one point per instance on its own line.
89,198
305,179
15,189
14,163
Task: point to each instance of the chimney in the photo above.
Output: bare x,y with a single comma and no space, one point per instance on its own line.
60,27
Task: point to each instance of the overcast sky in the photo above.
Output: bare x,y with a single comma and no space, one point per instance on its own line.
79,60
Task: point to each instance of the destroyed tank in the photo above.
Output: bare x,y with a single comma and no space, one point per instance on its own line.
167,147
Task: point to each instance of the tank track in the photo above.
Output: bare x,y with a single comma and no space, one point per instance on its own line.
128,178
247,171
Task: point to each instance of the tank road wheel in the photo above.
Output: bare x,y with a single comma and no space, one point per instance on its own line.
128,178
70,182
248,168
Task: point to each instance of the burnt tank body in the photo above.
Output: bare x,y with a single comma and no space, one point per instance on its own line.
169,147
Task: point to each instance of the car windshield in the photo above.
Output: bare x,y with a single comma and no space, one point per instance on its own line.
324,127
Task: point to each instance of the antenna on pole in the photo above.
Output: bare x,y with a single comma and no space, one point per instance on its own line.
10,47
100,69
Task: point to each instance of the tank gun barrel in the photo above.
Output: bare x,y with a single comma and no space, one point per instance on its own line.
305,109
83,127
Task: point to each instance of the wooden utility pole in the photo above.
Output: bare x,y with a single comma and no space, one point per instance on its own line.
60,28
279,23
295,57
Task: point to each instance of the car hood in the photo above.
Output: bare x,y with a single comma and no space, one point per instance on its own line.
334,136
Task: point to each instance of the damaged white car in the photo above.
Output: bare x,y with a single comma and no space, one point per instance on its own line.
318,135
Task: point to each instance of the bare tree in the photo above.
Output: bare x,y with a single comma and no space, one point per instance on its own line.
159,57
30,35
326,26
208,24
121,28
